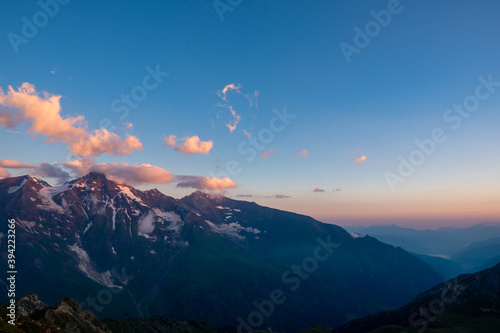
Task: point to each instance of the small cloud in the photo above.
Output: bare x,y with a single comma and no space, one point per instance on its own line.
189,145
318,190
244,195
302,153
248,134
230,87
236,120
337,190
53,71
269,153
360,159
205,183
282,196
129,125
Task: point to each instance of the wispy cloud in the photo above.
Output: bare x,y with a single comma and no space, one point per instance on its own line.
230,87
42,112
302,153
189,145
269,153
205,183
318,190
282,196
360,159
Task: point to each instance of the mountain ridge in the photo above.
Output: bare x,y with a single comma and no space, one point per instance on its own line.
203,257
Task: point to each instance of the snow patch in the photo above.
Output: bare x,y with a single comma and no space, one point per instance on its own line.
16,188
126,191
356,235
86,267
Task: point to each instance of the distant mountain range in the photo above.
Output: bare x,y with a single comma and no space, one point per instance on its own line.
125,253
469,303
450,251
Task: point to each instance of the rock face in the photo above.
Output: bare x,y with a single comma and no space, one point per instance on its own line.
469,302
68,316
125,253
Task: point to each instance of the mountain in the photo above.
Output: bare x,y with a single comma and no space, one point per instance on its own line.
482,254
469,303
68,316
125,253
33,315
449,251
445,242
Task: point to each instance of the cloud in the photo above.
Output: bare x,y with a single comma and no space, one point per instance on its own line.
360,159
42,112
4,173
205,183
269,153
122,172
244,195
129,125
282,196
230,87
302,153
190,145
236,120
53,171
133,174
248,134
252,99
12,164
318,190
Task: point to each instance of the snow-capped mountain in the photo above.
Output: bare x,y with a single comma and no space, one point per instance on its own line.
122,252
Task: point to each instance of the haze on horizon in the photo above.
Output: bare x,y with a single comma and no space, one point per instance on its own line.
283,103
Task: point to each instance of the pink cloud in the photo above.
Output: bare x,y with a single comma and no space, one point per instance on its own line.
236,120
189,145
302,153
360,159
4,173
269,153
318,190
230,87
248,134
133,174
282,196
42,112
12,164
206,183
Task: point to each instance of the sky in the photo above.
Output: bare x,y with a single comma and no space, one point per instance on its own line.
353,112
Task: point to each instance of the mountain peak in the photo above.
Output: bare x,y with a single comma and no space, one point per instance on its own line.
92,175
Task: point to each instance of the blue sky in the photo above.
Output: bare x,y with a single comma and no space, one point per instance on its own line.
396,90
